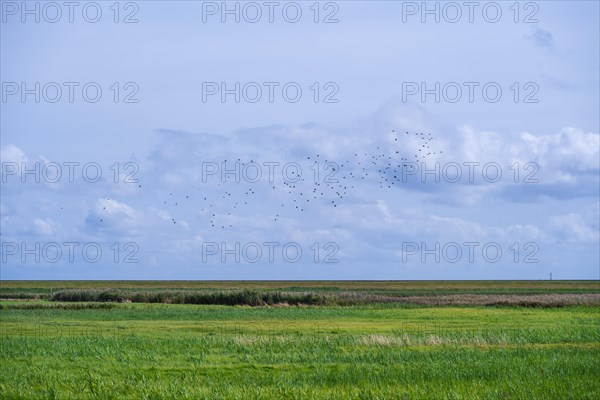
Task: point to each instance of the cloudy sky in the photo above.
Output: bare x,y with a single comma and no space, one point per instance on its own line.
300,140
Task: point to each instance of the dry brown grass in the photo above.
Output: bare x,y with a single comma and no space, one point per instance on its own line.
534,300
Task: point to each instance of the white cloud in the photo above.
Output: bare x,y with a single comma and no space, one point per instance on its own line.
572,228
12,154
44,227
174,211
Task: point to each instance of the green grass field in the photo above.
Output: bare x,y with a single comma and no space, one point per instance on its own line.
391,350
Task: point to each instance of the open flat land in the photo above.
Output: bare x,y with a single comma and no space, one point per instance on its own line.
300,340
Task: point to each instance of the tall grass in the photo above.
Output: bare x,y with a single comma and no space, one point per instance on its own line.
157,351
233,297
264,297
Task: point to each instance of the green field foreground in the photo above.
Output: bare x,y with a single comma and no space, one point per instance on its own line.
371,351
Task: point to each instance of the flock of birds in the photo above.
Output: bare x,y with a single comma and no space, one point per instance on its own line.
223,203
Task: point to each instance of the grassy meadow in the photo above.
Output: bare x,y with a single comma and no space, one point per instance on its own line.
394,340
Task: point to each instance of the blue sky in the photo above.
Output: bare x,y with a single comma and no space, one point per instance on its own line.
369,123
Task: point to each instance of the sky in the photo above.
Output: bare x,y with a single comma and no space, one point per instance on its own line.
300,140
